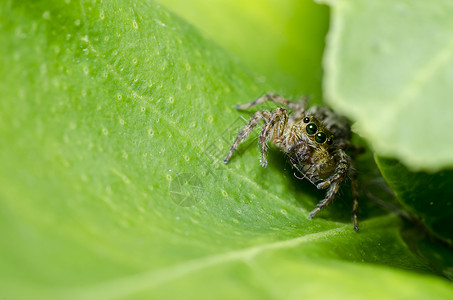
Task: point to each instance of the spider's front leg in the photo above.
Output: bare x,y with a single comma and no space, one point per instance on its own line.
245,132
276,125
273,129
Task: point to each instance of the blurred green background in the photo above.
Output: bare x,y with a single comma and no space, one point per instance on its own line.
281,41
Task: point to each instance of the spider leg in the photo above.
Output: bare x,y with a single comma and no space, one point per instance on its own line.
245,132
295,106
331,192
340,171
334,182
355,195
275,125
345,166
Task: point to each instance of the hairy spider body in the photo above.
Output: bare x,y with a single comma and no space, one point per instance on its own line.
313,139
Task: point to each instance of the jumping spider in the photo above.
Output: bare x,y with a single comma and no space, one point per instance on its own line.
314,140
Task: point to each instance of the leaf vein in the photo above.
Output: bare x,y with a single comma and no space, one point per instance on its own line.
126,286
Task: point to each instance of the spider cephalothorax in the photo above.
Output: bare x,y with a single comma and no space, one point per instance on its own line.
314,141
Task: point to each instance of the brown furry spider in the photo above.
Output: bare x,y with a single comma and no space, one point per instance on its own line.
307,137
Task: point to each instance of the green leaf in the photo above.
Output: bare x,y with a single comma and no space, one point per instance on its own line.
427,196
388,66
113,120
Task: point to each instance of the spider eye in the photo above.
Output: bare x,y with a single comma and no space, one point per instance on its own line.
306,119
320,137
329,141
311,128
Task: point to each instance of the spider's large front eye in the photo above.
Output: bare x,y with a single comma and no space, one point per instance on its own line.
311,128
320,137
